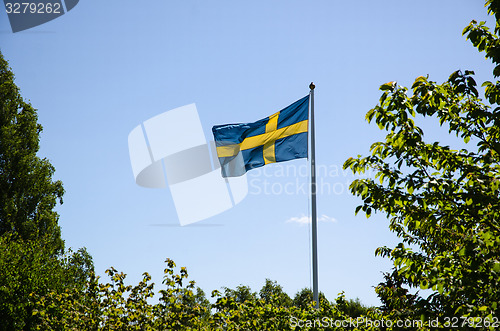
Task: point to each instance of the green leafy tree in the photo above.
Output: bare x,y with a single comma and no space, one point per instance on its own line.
241,294
265,313
33,262
273,293
117,306
396,300
28,194
179,308
443,203
352,308
28,273
69,309
304,298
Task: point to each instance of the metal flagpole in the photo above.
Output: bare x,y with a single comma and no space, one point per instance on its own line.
314,220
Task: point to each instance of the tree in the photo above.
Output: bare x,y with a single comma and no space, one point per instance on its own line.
28,194
28,273
442,202
352,308
273,293
241,294
304,298
33,262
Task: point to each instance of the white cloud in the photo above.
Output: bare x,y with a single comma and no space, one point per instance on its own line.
303,220
326,218
300,220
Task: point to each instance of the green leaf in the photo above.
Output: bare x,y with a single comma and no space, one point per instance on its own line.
387,86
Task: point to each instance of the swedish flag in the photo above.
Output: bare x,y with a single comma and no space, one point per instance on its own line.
277,138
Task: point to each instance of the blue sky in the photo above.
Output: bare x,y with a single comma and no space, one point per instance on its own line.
100,70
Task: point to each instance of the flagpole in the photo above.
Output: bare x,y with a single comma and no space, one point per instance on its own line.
314,219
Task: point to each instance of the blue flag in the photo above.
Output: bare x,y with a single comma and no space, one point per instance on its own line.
277,138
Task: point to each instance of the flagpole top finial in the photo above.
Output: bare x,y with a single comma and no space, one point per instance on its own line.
312,86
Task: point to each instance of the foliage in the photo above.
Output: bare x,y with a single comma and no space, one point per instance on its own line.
273,293
117,306
27,192
27,271
265,314
442,202
33,262
304,297
241,294
70,309
352,308
42,287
